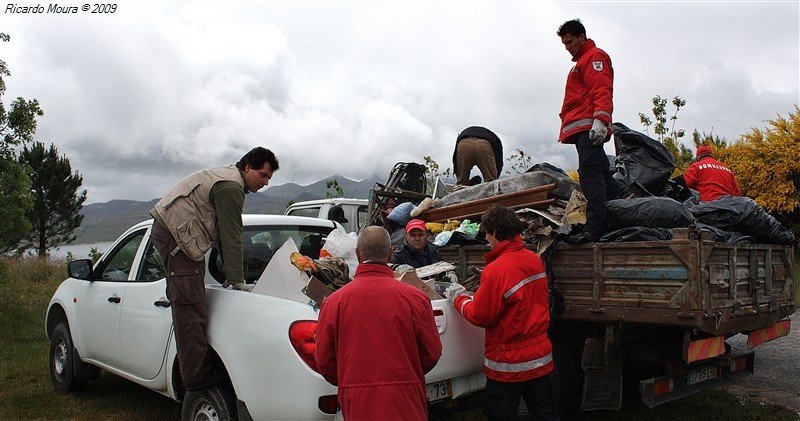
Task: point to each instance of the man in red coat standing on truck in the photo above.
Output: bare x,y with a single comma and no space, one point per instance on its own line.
511,305
377,338
586,123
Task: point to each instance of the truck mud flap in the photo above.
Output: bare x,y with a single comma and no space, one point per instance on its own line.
602,389
660,390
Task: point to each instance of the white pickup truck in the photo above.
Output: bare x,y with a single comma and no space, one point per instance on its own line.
350,213
115,316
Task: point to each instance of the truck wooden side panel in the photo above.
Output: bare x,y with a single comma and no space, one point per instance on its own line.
687,282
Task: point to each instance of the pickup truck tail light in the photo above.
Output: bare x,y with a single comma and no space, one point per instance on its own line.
303,337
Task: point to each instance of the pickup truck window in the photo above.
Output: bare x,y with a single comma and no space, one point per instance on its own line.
261,242
152,268
310,212
117,266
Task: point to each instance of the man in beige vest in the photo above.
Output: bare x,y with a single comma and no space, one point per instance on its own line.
204,208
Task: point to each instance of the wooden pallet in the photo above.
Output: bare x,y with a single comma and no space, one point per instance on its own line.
536,197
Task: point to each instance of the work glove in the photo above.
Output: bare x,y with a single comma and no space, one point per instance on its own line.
241,286
598,133
455,289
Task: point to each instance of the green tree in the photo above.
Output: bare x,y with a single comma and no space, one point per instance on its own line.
669,136
767,167
17,126
520,162
433,172
337,189
15,204
57,202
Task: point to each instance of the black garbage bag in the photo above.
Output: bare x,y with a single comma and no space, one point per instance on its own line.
637,234
643,164
650,212
742,214
726,236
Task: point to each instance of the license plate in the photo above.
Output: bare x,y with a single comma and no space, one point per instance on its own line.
701,375
439,390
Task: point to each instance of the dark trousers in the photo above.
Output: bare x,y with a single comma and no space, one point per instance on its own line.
596,182
502,399
186,292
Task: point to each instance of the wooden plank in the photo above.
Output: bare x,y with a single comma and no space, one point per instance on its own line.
530,198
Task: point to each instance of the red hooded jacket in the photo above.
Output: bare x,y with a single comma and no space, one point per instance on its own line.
376,339
589,92
512,305
711,179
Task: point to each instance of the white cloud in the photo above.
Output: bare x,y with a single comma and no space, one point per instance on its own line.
140,98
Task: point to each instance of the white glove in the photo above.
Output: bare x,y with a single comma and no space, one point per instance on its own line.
455,289
598,133
241,286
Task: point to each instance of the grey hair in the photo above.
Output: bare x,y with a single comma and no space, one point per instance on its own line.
373,243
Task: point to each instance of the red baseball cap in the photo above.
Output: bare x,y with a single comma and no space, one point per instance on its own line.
703,150
415,224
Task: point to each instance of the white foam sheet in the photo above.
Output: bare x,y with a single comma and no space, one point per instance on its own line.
281,278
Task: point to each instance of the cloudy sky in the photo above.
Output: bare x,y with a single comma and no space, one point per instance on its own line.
139,98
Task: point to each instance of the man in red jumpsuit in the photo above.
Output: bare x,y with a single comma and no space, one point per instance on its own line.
709,177
585,123
511,305
377,338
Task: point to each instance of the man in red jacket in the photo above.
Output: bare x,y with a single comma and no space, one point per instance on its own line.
377,338
511,305
709,177
585,122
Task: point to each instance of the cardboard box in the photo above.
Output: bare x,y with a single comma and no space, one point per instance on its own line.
410,277
317,290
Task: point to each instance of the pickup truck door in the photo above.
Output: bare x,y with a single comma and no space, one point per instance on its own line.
100,302
146,317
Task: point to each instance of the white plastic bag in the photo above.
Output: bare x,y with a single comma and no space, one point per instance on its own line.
340,244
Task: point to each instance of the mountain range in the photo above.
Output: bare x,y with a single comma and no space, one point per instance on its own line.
106,221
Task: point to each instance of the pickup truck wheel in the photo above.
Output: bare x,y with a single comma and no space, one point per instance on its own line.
215,403
62,364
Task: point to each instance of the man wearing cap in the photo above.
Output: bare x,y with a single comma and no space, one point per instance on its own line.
709,177
417,251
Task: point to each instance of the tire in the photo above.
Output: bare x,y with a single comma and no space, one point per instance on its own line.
62,362
214,403
567,380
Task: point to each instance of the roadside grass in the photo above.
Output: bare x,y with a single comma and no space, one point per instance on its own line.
26,286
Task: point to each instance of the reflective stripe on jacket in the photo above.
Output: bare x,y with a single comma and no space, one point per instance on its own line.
512,305
589,92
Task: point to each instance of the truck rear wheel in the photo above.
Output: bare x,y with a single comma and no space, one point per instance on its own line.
567,379
214,403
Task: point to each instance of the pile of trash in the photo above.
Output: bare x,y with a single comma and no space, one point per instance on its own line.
650,207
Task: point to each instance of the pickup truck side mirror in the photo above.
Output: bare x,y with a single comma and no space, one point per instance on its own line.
80,269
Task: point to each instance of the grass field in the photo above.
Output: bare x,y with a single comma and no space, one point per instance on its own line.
26,393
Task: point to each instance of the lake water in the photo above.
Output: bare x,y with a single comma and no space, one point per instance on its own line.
80,251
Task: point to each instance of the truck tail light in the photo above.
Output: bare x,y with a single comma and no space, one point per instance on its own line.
662,387
738,364
328,404
303,337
